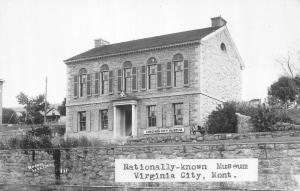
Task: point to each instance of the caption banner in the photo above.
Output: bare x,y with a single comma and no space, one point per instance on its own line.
185,170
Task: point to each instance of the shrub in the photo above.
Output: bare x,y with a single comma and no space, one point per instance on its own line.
223,120
84,142
263,118
69,143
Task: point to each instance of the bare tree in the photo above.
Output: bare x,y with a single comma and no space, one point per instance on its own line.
290,64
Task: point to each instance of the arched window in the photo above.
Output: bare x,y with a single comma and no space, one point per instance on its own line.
127,69
82,81
152,73
104,67
177,57
178,70
127,64
223,47
104,70
151,60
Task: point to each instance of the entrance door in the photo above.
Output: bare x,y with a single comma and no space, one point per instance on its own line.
128,122
125,120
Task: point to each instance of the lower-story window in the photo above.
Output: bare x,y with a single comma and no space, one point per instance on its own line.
178,115
82,120
151,116
104,119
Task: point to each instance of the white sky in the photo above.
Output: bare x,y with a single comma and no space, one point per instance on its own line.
36,36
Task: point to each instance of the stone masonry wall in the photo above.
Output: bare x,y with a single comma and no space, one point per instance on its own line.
279,164
162,98
224,68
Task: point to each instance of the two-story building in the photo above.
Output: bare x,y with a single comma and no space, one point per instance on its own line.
153,85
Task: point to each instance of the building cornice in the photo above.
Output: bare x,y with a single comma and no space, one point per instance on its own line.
133,51
150,97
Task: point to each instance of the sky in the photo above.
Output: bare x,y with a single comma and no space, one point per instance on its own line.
36,36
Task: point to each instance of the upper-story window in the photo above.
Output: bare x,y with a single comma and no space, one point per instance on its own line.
127,76
178,70
223,47
152,73
82,81
181,71
104,79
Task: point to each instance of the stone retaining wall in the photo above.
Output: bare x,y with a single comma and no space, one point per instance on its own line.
279,165
198,138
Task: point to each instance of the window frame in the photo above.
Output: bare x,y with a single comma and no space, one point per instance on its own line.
82,82
176,115
129,78
151,62
103,81
152,119
103,122
82,120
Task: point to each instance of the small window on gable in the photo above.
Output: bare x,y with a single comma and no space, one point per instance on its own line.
223,47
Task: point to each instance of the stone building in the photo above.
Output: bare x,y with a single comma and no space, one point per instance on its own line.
162,84
1,87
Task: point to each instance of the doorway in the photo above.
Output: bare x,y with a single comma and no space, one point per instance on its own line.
125,120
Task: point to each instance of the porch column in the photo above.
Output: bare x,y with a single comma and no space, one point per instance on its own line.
134,121
115,122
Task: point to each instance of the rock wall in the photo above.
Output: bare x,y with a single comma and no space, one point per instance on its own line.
71,169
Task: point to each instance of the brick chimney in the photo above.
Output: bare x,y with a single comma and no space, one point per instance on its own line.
218,22
100,42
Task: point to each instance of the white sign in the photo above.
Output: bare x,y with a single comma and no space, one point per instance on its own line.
162,131
185,170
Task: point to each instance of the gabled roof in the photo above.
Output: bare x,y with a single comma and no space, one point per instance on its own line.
146,43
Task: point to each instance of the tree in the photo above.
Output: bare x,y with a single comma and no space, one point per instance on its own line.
62,108
223,119
9,116
290,64
34,106
285,89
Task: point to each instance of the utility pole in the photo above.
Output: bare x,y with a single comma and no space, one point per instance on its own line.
45,109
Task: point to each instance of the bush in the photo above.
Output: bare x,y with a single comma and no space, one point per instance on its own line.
263,118
223,120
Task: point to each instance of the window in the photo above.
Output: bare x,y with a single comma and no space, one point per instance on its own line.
152,77
104,81
127,80
181,71
82,120
178,70
178,73
223,47
104,119
82,81
178,115
151,116
152,73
